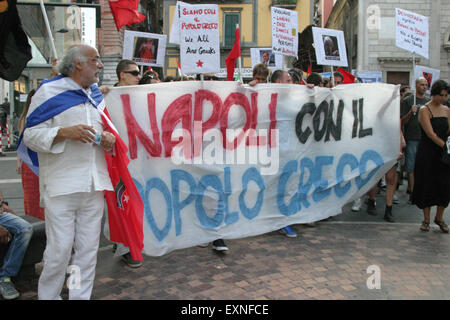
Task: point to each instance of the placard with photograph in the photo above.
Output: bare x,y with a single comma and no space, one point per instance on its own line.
146,49
330,47
430,74
266,56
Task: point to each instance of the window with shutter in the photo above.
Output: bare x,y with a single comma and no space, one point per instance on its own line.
231,19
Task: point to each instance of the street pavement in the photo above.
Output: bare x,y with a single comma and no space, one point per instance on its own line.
341,258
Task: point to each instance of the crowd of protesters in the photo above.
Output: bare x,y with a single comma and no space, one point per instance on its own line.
73,210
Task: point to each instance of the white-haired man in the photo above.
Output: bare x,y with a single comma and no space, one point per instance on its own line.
73,173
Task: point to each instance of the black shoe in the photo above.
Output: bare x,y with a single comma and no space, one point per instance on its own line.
388,215
219,245
371,209
130,262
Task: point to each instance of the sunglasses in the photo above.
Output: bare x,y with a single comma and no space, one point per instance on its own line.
133,72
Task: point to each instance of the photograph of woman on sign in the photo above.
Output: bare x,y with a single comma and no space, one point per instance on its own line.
145,50
330,44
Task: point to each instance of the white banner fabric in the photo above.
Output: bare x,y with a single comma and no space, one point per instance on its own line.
325,148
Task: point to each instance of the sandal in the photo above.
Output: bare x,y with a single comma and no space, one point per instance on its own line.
425,226
442,225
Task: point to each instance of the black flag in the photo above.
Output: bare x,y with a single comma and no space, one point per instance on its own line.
15,51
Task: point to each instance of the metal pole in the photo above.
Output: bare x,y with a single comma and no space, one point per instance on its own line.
414,70
239,59
332,76
47,24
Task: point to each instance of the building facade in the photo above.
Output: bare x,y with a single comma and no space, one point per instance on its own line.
369,28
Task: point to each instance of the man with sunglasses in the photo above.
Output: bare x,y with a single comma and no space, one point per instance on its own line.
128,73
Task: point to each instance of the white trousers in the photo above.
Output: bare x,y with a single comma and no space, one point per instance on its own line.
71,221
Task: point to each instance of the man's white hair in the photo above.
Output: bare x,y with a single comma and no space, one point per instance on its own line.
67,64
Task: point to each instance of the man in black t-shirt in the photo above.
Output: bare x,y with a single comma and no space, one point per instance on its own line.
411,127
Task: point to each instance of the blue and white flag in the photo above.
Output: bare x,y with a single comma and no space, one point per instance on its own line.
60,94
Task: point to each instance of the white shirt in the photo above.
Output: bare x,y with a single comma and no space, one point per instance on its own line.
69,166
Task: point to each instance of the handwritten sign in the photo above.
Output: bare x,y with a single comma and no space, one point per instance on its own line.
221,160
284,31
412,32
199,42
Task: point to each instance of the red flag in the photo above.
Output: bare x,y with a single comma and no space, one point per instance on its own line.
235,53
125,12
309,70
348,77
179,68
125,206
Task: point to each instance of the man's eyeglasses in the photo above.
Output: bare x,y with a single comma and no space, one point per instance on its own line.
133,72
443,95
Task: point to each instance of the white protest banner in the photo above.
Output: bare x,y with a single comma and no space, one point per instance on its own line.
284,31
174,36
430,74
199,42
217,159
146,49
329,46
412,32
266,56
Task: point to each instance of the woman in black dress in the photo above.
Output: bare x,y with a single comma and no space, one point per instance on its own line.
432,177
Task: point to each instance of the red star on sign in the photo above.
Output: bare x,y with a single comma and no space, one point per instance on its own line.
199,63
